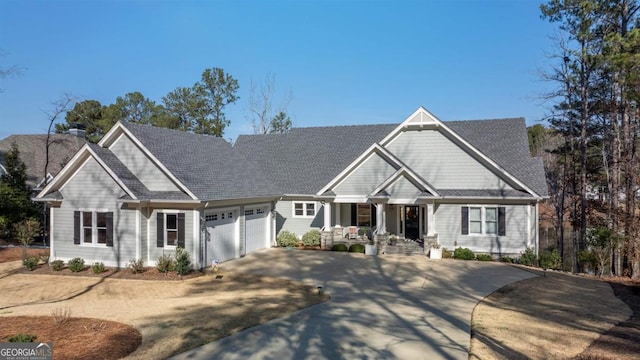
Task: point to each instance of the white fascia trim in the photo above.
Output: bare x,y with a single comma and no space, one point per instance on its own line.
373,149
112,174
155,160
485,198
70,169
409,175
351,199
428,119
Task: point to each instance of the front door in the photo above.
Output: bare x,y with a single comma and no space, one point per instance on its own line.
411,222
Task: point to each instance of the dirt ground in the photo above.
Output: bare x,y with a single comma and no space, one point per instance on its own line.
172,315
551,316
558,316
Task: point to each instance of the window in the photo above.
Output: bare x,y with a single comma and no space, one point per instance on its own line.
171,227
304,209
491,220
475,220
364,215
93,228
483,220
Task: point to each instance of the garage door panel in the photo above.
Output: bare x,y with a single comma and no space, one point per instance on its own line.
222,236
256,229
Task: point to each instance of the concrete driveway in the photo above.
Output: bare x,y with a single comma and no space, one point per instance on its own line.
380,307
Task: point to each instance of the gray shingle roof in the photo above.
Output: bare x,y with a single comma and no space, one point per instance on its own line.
208,166
131,181
33,153
306,159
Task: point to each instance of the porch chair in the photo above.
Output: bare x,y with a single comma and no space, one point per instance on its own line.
353,232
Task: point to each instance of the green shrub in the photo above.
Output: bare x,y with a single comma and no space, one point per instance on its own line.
484,257
76,264
528,257
22,338
356,248
463,254
57,265
588,261
31,262
98,268
311,238
136,266
508,259
339,247
446,254
183,261
287,239
165,264
551,260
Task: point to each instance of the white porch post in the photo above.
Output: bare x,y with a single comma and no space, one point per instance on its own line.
380,219
431,225
327,216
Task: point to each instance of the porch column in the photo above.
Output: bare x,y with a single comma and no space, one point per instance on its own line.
380,218
327,215
338,205
431,226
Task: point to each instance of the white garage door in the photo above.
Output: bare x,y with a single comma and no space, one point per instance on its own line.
222,235
256,228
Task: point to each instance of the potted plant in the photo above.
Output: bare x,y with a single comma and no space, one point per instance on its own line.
435,252
370,248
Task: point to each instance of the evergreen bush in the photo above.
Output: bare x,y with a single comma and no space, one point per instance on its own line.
528,257
339,247
165,264
356,248
31,262
463,254
57,265
98,268
287,239
183,261
76,264
312,238
484,257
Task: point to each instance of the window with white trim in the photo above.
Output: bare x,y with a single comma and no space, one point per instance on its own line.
304,209
94,228
171,229
483,220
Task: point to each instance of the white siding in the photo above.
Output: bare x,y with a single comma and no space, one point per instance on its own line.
448,219
442,163
93,189
366,177
141,166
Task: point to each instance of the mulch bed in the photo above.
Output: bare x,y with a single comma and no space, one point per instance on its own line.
113,273
75,338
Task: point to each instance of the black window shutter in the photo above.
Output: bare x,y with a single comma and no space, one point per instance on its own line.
464,223
181,230
374,215
76,227
354,214
502,221
110,229
160,226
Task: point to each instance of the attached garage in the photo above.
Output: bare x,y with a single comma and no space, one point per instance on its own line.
257,229
222,235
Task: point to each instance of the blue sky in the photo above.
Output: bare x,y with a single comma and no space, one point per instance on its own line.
344,62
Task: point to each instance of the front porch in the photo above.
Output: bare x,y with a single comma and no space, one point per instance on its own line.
394,228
